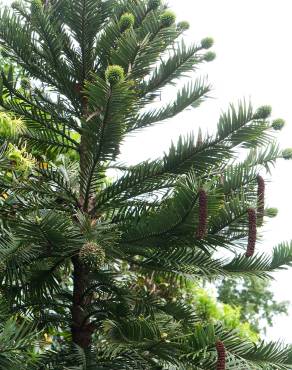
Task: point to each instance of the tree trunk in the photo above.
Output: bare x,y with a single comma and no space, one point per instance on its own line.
81,328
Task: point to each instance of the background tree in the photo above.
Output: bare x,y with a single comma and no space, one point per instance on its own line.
255,299
74,246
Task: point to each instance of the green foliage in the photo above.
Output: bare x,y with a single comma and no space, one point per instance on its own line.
17,340
154,4
167,18
114,74
255,298
263,112
89,86
207,43
271,212
183,26
210,310
287,153
278,124
126,21
209,56
19,158
11,127
36,7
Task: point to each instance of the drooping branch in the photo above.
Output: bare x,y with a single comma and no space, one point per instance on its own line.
261,199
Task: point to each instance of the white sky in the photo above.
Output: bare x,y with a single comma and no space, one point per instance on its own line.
254,60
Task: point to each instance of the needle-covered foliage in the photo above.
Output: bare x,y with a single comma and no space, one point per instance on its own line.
73,244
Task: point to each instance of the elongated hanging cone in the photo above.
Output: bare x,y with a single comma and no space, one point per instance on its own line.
200,138
252,232
203,215
221,353
261,200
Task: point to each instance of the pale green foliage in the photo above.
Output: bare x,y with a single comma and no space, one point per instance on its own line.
271,212
209,309
114,74
11,127
278,124
19,158
263,112
167,18
207,43
209,56
287,153
126,21
183,25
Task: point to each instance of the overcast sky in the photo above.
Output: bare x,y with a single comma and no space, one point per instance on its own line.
254,61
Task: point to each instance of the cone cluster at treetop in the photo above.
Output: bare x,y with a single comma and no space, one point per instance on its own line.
77,78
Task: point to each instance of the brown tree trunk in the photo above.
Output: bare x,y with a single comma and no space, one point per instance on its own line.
81,328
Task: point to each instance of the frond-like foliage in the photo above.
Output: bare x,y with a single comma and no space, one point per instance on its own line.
16,342
92,250
190,96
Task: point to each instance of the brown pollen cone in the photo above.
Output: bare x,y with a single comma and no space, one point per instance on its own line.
221,353
252,232
203,215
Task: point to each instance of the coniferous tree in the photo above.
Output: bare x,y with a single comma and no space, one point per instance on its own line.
78,250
